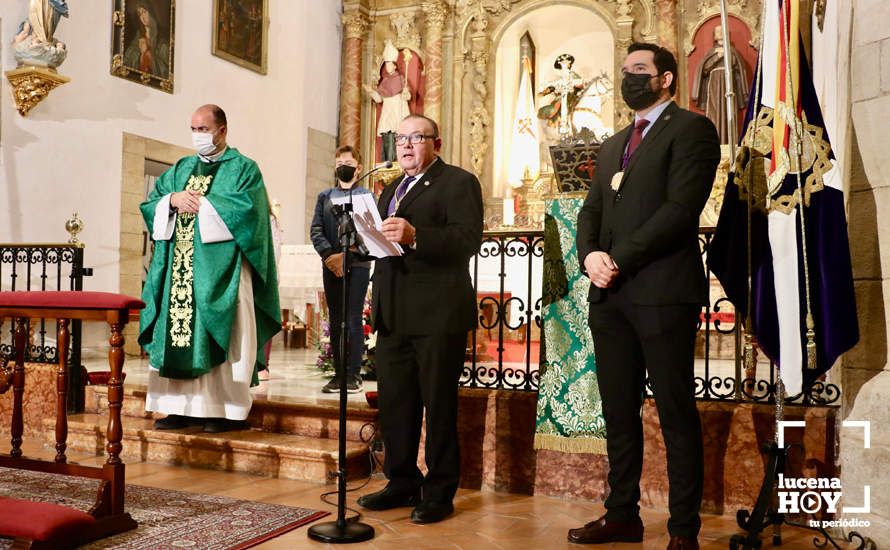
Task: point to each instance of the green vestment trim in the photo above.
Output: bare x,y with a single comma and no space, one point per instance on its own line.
570,411
191,290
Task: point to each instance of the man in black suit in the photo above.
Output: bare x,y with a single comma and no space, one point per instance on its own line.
423,305
638,238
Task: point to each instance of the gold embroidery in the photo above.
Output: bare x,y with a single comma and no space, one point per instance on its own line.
752,166
182,278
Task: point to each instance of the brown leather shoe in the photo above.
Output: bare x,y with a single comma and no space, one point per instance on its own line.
604,530
683,543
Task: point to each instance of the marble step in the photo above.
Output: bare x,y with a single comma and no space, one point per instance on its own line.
250,451
305,416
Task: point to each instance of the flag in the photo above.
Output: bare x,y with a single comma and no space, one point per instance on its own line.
525,156
796,267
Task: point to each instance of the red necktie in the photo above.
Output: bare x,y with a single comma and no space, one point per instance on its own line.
636,136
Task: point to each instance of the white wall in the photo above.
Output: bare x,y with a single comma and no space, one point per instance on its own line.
66,154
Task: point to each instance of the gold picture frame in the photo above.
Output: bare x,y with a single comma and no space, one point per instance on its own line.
142,42
241,32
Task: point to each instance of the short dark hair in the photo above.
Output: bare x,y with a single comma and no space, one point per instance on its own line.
665,61
432,122
343,149
219,116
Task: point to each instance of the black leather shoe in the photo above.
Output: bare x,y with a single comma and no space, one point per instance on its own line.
387,499
176,422
605,530
218,425
431,511
683,543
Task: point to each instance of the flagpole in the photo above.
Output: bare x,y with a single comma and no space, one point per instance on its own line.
727,81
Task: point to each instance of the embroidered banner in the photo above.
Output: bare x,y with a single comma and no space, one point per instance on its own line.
570,411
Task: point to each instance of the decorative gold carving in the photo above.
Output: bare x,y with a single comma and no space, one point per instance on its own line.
30,85
182,278
710,8
404,24
435,11
355,24
117,18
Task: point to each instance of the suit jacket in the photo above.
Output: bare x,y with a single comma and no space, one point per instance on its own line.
649,225
428,289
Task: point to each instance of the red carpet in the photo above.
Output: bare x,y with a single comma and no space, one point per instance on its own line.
167,519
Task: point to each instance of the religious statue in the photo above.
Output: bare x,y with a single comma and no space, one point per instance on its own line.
576,103
565,90
33,44
393,93
709,85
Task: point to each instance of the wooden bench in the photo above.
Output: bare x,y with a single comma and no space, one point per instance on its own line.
51,525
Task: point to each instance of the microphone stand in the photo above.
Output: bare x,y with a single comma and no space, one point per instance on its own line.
342,531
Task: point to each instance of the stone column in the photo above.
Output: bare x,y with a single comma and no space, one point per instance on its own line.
354,26
435,11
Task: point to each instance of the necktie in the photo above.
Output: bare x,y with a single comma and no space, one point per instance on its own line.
401,190
636,136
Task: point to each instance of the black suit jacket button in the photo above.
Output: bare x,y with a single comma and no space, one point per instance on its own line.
617,197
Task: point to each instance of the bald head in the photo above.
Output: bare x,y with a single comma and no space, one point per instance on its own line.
210,119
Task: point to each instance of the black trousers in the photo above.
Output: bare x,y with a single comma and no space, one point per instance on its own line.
333,293
417,373
629,340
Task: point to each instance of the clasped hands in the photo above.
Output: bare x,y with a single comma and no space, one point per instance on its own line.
186,201
601,269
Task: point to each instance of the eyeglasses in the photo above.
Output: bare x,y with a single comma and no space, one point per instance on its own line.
402,139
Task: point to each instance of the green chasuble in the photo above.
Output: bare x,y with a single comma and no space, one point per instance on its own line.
191,290
570,415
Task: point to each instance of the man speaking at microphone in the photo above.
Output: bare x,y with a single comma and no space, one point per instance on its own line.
423,306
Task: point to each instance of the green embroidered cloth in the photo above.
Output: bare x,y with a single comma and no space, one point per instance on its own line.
187,321
570,412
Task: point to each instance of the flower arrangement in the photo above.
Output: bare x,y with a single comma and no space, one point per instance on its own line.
325,361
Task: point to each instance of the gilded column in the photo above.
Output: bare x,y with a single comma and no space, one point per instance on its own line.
666,17
354,26
435,11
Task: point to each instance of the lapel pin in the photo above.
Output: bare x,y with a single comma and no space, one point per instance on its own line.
426,184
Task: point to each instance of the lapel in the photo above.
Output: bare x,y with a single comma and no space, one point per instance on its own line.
663,121
386,196
430,177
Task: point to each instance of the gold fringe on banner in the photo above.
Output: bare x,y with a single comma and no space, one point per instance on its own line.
564,444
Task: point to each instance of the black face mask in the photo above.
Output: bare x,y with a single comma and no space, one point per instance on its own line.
345,173
636,91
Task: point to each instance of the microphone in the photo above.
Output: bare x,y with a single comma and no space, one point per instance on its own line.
387,164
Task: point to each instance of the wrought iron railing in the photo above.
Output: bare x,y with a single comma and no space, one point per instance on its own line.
28,267
503,351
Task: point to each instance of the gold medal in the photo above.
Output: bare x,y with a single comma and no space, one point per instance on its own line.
616,180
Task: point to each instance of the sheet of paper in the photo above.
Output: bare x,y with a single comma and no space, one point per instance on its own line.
368,223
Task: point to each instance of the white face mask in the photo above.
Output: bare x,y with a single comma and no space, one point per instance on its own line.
203,143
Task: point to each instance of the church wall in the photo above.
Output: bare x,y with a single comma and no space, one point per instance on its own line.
65,155
866,376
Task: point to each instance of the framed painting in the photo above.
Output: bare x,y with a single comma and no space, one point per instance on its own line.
241,32
142,42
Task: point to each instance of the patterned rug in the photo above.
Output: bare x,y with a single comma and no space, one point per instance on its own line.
167,519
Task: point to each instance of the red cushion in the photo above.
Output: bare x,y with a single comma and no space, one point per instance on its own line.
40,520
69,299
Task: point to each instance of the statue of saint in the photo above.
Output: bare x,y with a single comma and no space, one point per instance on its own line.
709,84
564,90
392,93
34,43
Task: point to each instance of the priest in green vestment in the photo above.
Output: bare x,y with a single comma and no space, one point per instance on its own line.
211,292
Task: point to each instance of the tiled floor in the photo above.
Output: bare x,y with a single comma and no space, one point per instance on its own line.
482,519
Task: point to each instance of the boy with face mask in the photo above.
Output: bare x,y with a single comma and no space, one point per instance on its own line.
638,240
323,233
